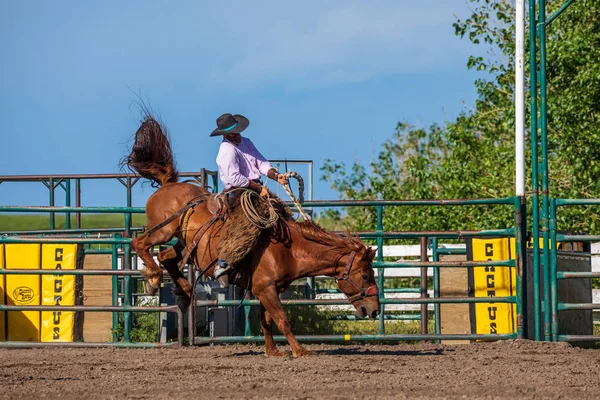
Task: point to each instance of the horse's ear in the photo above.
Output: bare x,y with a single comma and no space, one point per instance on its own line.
371,254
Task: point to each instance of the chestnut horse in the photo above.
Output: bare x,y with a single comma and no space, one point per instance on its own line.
288,251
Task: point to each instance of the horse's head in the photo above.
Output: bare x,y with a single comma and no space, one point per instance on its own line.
356,279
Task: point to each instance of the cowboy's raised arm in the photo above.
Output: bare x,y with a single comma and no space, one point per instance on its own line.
266,168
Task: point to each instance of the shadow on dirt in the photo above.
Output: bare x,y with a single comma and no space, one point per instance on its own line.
361,351
352,351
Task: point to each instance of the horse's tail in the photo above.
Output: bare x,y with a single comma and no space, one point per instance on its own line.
151,155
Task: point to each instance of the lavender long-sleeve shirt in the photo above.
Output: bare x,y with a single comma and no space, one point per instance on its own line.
238,164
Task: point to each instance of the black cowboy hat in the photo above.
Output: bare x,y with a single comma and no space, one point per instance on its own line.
228,123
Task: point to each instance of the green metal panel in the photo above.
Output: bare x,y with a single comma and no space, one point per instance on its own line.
547,219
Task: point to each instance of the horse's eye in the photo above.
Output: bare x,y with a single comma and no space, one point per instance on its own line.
365,277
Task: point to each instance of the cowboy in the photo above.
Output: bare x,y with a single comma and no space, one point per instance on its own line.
240,166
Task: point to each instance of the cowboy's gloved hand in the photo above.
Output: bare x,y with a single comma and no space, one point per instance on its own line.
282,179
264,192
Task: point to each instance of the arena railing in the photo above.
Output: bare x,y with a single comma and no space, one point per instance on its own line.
204,177
379,236
127,273
551,287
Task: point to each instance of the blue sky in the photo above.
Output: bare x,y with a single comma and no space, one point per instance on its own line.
317,79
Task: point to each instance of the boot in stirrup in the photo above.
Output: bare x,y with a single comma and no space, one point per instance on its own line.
222,270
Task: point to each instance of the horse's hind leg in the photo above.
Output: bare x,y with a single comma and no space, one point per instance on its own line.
141,245
183,290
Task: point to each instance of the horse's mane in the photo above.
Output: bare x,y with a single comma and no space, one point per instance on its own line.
343,244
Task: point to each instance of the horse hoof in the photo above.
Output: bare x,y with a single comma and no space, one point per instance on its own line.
150,289
183,302
304,353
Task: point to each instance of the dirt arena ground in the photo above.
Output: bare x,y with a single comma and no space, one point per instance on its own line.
502,370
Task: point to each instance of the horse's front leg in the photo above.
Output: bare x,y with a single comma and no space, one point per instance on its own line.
152,273
183,290
270,299
266,323
142,244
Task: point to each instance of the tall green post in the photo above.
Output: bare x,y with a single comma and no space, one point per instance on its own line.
534,171
538,73
380,271
544,139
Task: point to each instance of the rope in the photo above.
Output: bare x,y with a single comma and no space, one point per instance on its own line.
267,222
300,200
258,220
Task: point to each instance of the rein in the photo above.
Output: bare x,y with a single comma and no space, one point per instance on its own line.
345,276
187,252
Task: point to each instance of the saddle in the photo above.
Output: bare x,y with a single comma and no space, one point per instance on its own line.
216,204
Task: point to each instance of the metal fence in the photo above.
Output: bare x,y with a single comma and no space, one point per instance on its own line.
552,285
379,236
126,273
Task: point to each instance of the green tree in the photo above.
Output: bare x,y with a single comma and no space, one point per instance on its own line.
473,156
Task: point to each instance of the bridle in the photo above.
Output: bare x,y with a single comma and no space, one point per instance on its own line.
345,276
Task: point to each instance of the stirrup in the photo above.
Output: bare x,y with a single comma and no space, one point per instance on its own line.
221,273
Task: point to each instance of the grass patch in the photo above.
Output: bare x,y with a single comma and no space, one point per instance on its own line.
144,326
29,222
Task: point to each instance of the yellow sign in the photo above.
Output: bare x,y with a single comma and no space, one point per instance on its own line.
28,290
23,290
57,290
491,281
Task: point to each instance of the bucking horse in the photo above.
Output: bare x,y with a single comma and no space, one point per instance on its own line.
287,251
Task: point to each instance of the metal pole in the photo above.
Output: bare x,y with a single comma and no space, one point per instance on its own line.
68,203
534,171
127,323
78,201
380,271
520,99
312,281
544,136
192,308
436,287
558,12
51,187
520,267
180,332
215,183
115,289
247,327
424,294
129,202
553,272
310,181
